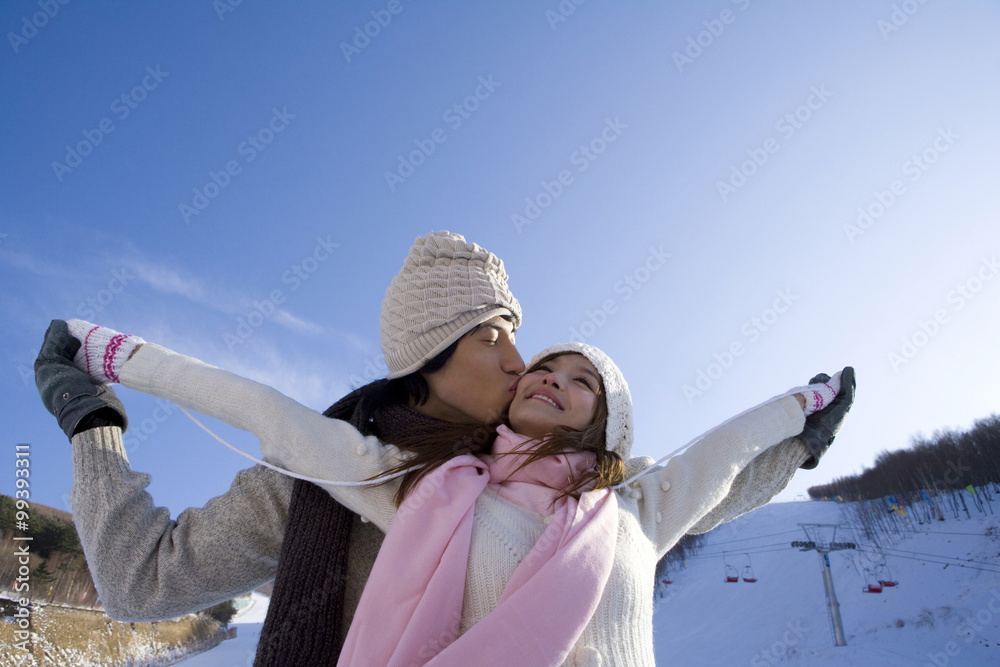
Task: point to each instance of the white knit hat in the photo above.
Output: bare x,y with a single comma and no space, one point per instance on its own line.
618,435
445,288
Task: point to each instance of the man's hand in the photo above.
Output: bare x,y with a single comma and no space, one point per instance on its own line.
78,401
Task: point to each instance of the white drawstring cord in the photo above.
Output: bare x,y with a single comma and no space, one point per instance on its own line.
677,451
289,473
386,478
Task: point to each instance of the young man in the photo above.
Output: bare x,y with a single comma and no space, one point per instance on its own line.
447,332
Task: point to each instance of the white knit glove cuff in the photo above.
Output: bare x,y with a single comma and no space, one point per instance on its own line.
818,396
102,351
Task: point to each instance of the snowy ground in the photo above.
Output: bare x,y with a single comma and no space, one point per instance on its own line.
938,615
238,652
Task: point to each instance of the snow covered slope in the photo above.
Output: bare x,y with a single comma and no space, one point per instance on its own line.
783,618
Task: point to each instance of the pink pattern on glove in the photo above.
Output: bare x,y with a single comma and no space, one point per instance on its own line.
102,351
820,395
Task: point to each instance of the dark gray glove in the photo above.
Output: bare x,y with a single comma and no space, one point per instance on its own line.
75,398
822,426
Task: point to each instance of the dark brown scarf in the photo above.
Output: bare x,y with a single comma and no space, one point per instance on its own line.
304,618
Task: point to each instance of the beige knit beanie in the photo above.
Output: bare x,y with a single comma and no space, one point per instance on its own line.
445,288
618,434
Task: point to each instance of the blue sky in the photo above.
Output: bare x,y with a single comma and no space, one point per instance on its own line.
727,197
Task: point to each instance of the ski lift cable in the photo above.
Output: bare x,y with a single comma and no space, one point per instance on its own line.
933,562
956,558
756,537
781,546
751,550
963,560
922,553
941,532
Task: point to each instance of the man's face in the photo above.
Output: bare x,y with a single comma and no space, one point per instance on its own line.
477,383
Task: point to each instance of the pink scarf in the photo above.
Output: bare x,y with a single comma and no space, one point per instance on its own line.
411,608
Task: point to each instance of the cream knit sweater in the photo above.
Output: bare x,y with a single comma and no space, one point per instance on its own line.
654,513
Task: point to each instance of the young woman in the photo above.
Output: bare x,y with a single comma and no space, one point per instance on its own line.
495,557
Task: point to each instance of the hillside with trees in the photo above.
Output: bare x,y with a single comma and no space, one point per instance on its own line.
936,467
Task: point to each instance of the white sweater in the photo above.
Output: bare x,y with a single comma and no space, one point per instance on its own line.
654,513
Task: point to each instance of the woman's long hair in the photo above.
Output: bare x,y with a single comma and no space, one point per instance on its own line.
609,468
428,449
427,445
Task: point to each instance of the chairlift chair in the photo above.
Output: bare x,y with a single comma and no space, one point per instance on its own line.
871,587
748,575
885,578
732,574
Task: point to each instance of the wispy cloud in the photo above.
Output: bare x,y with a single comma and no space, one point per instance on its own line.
169,280
37,266
316,383
286,319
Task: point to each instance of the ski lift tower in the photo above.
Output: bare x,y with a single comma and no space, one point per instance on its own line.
824,549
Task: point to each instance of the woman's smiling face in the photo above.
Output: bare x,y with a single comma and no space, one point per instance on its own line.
562,391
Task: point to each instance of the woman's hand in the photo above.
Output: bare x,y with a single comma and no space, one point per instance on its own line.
819,393
822,425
